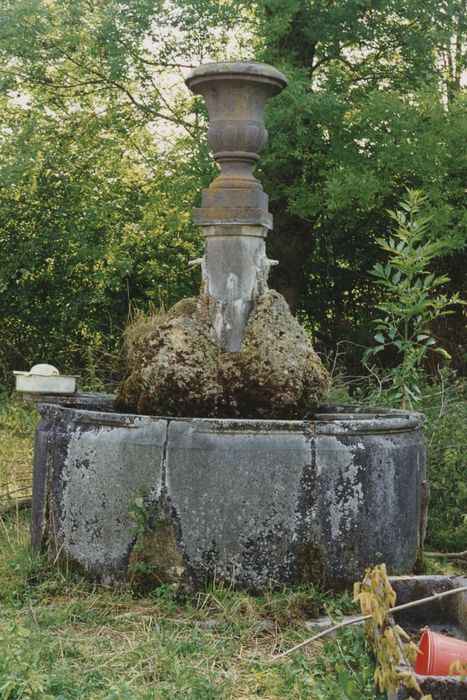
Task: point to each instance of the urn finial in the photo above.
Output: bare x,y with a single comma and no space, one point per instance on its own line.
235,95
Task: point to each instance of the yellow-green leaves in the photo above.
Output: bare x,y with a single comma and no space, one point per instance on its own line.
395,652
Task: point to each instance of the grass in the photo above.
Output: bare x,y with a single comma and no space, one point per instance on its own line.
60,637
17,422
445,408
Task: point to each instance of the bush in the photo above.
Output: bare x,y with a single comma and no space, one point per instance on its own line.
411,304
445,407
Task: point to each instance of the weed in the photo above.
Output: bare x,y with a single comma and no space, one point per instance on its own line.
445,408
17,423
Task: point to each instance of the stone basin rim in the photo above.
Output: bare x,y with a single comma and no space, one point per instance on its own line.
373,420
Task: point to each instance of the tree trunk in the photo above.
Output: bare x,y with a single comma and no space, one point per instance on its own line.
290,242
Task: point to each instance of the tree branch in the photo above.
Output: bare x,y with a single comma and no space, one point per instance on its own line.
140,105
448,555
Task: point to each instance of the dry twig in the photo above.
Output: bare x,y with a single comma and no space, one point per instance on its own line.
362,618
461,556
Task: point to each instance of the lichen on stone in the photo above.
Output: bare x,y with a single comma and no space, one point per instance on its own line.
176,367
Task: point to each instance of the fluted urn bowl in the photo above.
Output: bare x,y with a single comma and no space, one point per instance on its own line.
235,95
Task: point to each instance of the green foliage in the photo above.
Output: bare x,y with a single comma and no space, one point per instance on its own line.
85,233
18,418
21,674
17,423
138,510
363,118
445,408
140,526
410,305
95,192
104,157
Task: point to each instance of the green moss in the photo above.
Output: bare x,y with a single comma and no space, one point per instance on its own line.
156,559
311,565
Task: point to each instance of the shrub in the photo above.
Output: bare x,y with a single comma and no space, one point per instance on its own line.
411,303
445,407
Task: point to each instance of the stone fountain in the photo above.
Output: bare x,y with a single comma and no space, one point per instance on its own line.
217,460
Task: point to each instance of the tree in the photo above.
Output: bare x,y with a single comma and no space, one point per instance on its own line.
365,115
105,152
95,190
86,231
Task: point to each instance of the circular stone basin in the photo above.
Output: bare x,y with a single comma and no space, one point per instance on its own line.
251,503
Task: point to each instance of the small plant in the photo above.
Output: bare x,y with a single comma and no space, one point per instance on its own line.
21,675
140,527
411,303
138,510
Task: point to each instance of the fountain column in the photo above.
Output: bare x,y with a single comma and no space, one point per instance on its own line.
234,215
221,446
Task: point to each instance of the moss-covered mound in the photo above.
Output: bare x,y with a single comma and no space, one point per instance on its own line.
176,367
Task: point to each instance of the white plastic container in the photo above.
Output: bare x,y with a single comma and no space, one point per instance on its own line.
45,379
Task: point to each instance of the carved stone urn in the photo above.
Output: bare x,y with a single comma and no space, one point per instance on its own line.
235,95
234,210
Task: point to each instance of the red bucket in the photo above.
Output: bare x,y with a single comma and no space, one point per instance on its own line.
437,652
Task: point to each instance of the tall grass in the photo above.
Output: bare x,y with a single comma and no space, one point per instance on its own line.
17,421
